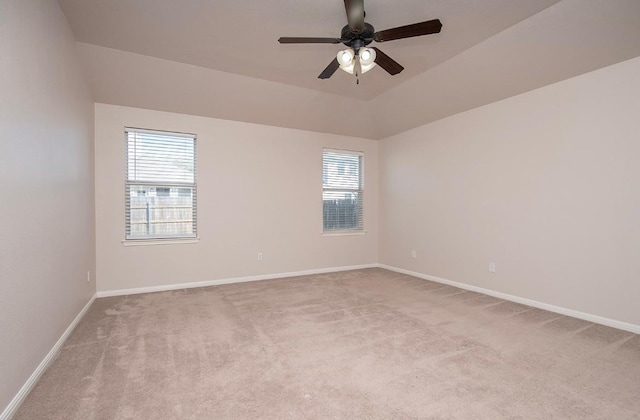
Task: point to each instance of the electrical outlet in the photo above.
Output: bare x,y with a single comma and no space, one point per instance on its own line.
413,254
259,256
89,276
492,267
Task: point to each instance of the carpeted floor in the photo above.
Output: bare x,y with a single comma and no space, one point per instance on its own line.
359,344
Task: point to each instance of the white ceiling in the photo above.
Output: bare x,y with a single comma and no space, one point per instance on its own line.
200,57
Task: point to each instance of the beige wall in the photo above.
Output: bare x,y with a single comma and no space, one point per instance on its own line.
544,184
46,185
272,176
124,78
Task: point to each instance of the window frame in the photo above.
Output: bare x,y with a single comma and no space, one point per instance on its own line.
130,184
360,230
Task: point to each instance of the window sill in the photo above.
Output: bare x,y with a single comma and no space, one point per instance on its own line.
148,242
345,233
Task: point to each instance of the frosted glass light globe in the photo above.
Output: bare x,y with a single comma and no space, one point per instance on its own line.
345,57
367,56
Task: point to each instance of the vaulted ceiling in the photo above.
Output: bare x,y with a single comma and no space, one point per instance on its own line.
221,58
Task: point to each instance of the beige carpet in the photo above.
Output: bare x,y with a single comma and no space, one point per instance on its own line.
359,344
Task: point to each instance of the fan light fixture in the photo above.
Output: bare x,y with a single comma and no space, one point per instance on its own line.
347,59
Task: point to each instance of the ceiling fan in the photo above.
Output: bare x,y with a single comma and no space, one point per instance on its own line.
357,35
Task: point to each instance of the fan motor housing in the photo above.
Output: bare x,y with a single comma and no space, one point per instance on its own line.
357,39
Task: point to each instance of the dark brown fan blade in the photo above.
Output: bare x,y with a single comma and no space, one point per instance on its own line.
299,40
355,14
389,64
417,29
331,68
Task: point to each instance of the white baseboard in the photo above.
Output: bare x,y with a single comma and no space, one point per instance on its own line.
164,288
15,403
541,305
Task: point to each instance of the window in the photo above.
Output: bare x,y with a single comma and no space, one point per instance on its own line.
342,190
160,187
184,192
163,192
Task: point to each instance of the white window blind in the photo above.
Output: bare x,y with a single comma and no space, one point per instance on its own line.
160,187
342,190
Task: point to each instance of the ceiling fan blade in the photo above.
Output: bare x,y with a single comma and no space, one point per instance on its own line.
355,14
417,29
389,64
302,40
331,68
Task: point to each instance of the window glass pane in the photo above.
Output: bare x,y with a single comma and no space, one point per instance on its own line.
342,190
160,157
184,192
341,170
341,211
159,215
160,194
163,192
